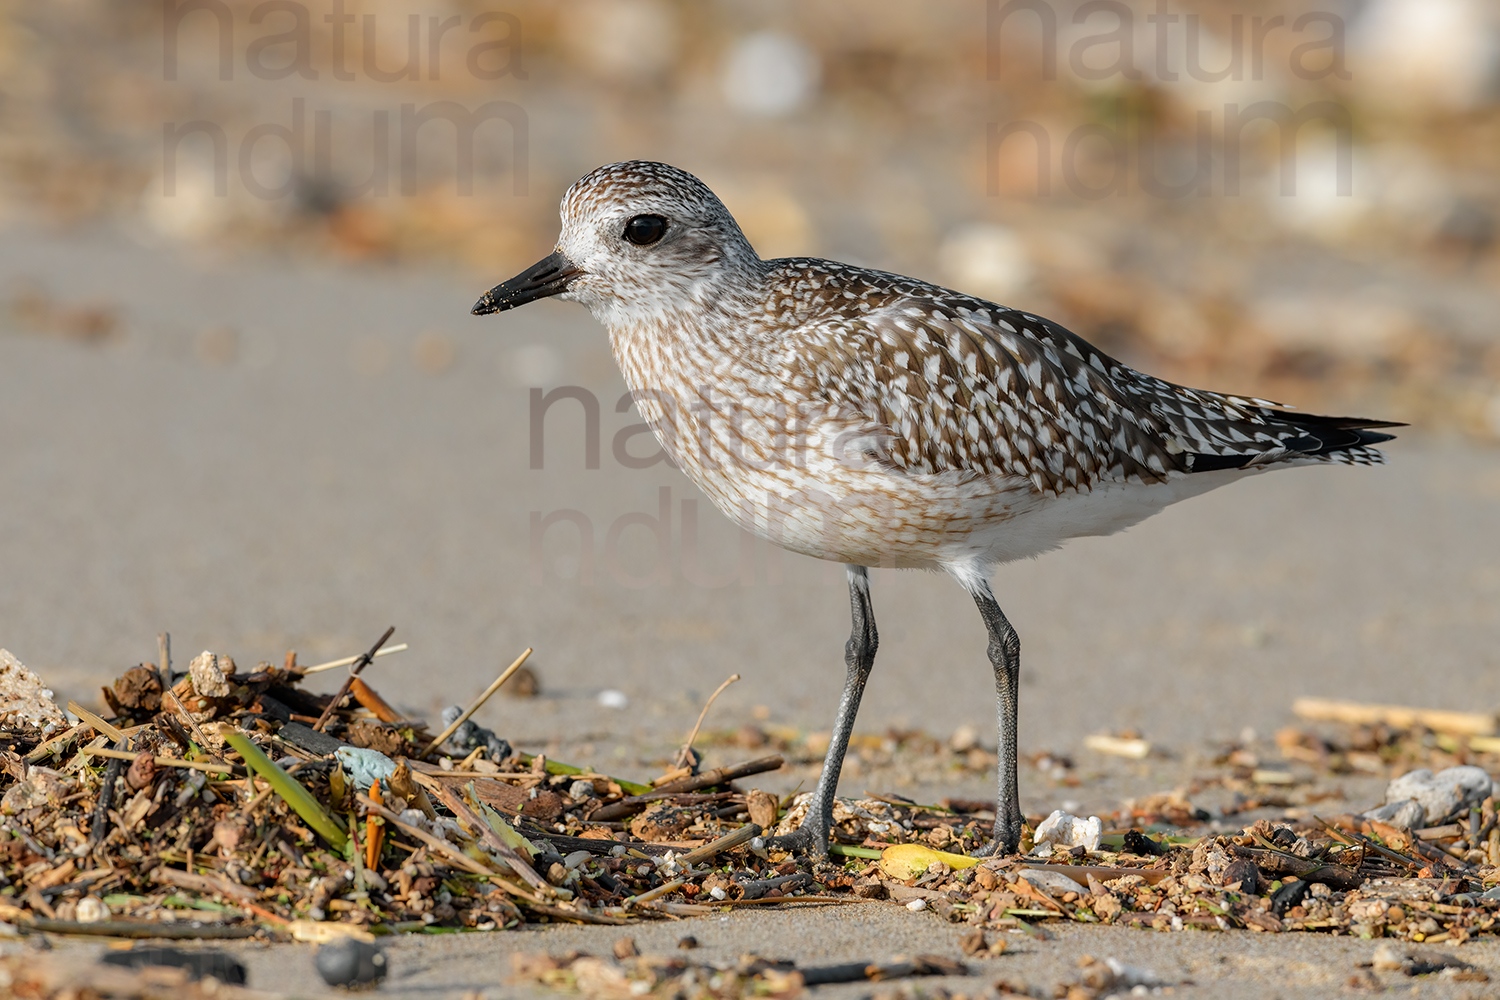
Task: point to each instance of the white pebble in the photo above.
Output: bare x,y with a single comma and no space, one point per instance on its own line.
717,892
91,910
917,905
610,698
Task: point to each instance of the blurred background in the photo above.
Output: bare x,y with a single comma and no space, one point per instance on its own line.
241,398
1245,194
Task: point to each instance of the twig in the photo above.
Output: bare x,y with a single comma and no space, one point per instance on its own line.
400,647
104,728
459,808
477,704
195,765
1369,844
684,757
164,643
659,891
718,776
99,826
164,653
446,849
359,664
203,883
714,848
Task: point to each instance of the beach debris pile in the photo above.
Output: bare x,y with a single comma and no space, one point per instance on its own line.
222,802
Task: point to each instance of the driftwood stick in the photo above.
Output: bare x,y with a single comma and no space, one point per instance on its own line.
714,848
1281,863
1398,716
718,776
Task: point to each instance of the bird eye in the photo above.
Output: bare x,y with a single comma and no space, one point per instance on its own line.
644,230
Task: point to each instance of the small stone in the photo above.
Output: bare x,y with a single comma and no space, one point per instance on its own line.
625,948
1407,814
91,910
917,905
42,787
365,767
24,701
1065,830
523,684
210,674
687,943
1055,883
762,807
350,962
142,771
1245,872
1442,794
964,739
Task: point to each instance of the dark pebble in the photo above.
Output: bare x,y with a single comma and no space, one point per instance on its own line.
350,963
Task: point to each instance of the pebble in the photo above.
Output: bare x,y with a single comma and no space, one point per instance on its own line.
1054,882
917,905
351,962
91,910
1443,794
1065,830
365,766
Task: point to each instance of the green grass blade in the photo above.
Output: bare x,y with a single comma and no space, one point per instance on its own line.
289,788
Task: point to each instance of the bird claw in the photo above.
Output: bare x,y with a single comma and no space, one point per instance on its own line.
805,840
1001,844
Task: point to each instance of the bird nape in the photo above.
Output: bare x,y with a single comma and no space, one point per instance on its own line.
879,420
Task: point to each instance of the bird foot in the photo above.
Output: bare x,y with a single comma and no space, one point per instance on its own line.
999,845
806,841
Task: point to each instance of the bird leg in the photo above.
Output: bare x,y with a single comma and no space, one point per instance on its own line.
859,656
1005,658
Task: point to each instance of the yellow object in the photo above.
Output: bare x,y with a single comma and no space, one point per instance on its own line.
319,932
904,861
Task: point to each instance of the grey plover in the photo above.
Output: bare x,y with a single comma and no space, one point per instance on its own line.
879,420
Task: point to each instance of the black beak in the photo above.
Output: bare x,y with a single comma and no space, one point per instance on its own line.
548,276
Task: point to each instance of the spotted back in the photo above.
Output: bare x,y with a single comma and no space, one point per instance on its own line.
947,382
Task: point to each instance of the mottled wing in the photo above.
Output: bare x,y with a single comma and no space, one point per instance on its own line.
949,383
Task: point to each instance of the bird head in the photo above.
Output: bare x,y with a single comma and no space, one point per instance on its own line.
638,239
